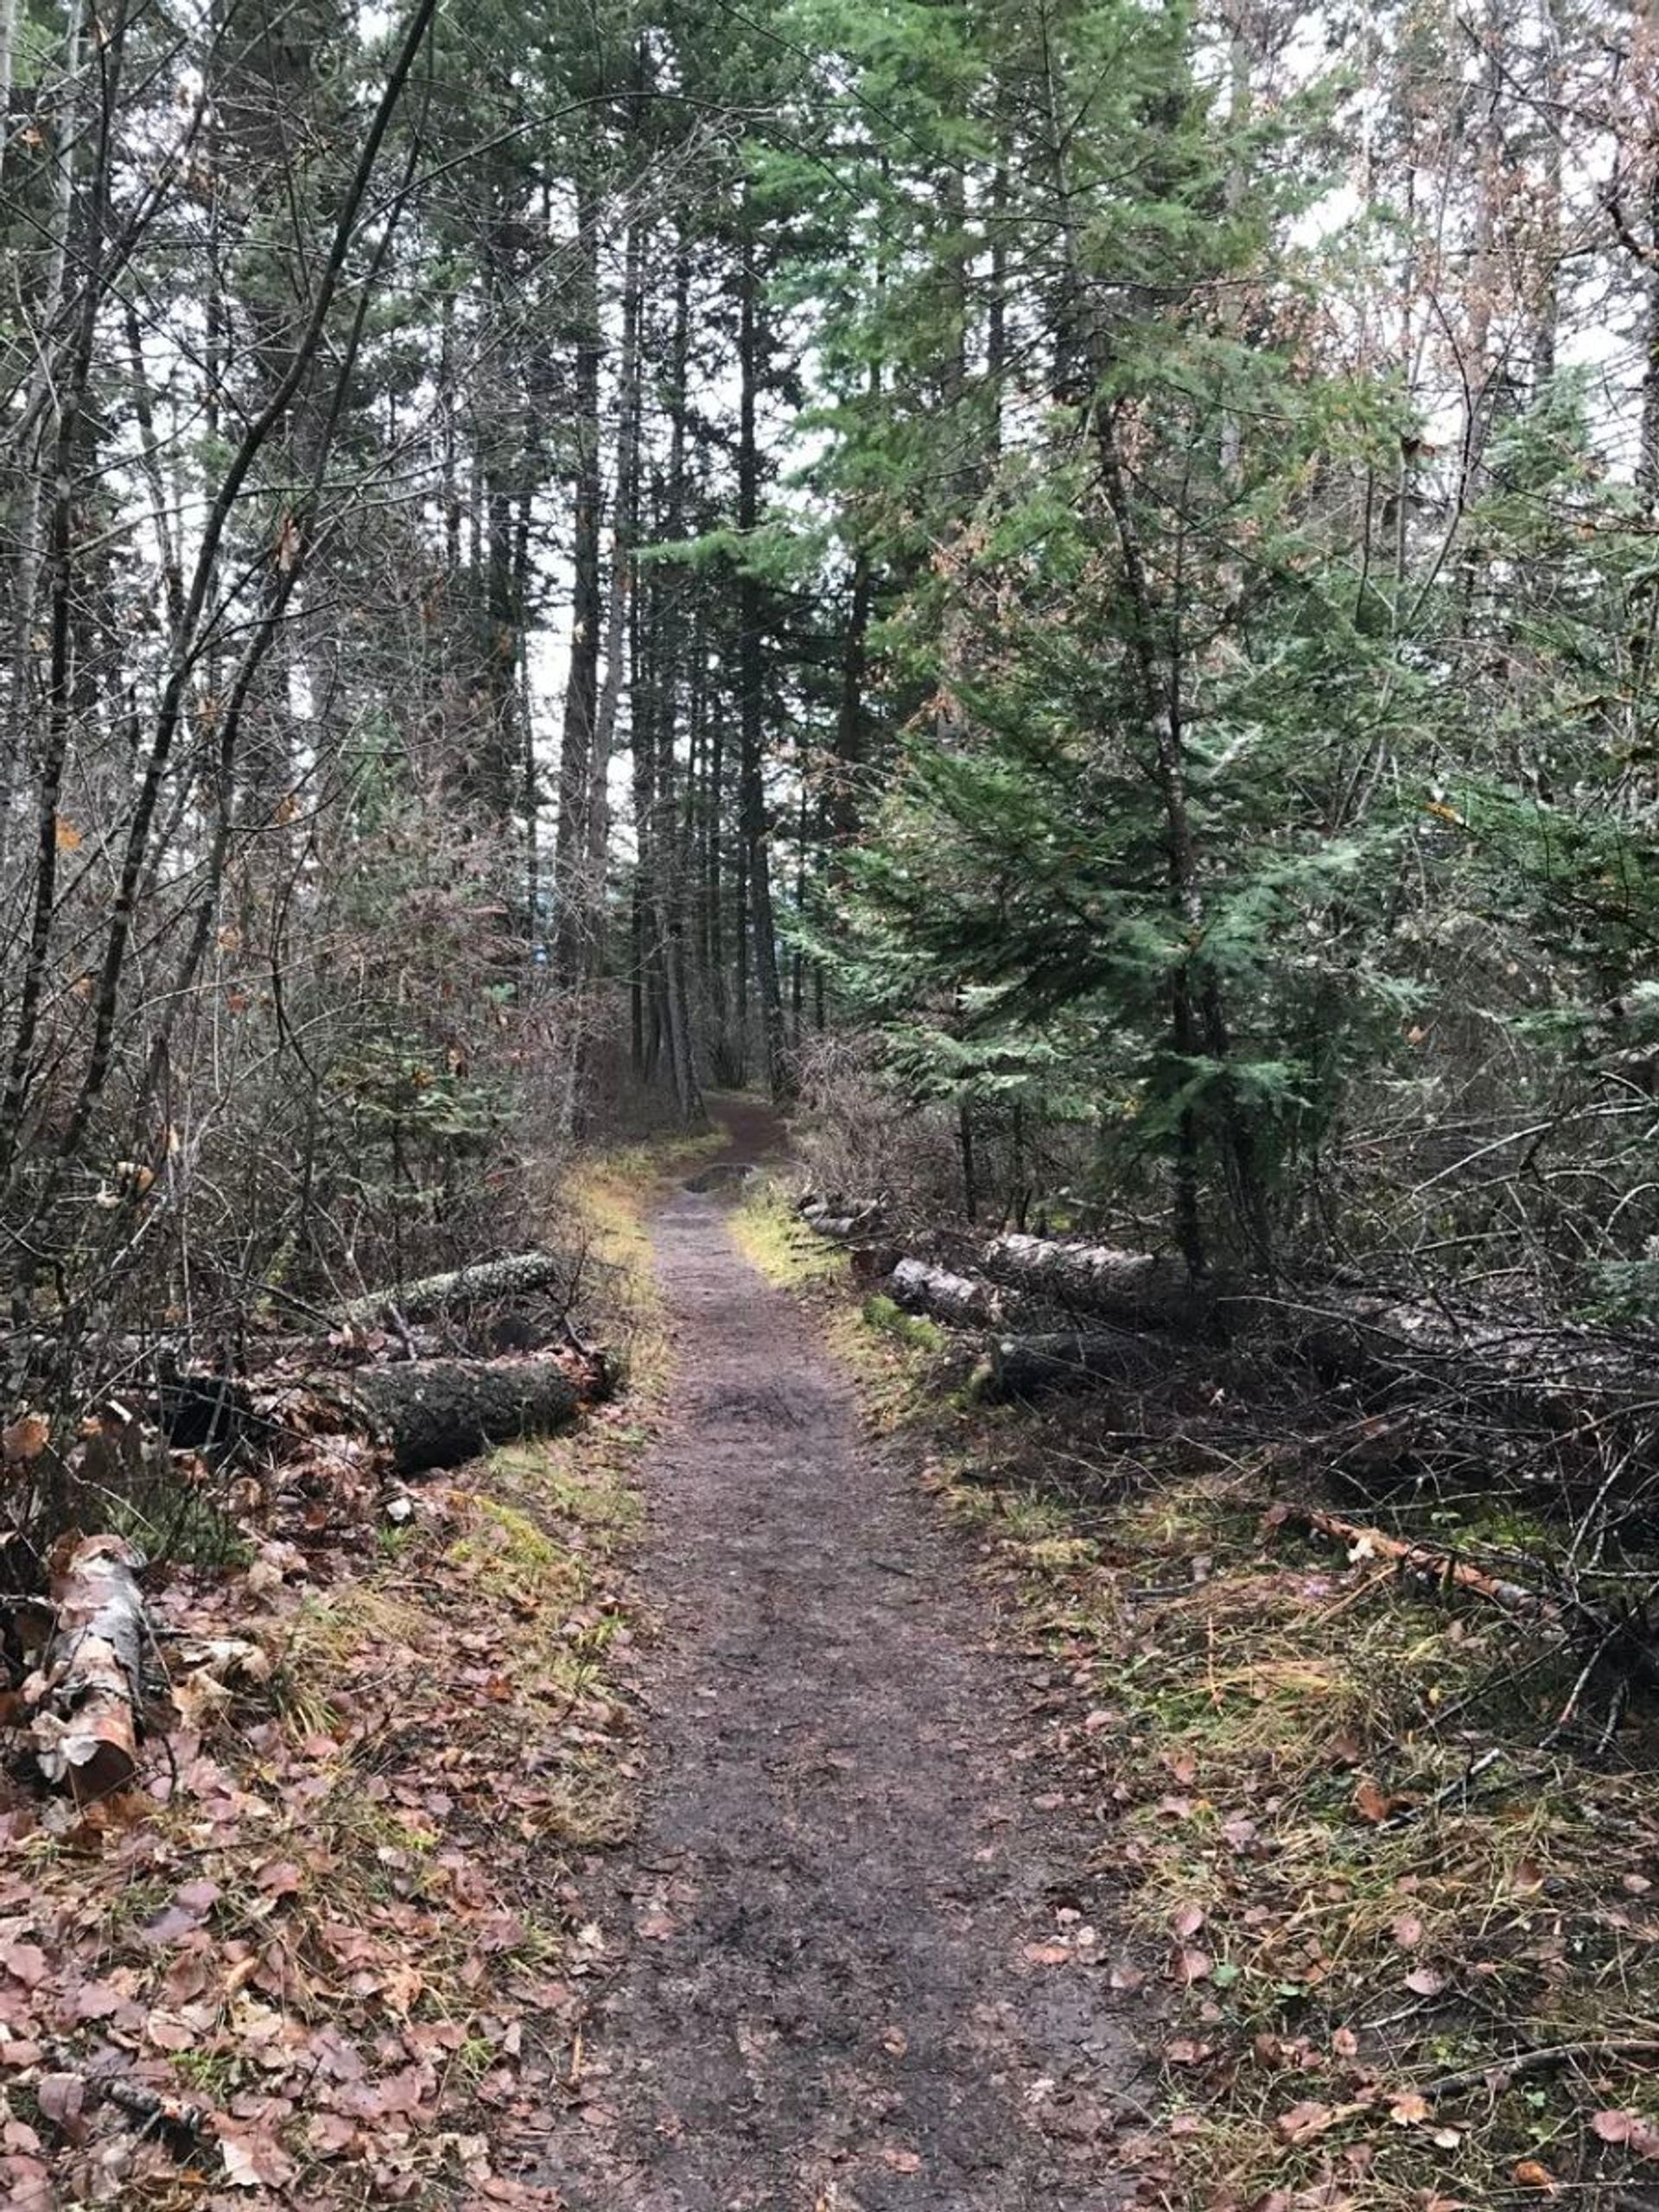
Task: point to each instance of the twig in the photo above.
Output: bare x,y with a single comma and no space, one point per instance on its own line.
1458,1786
1503,2070
1568,1713
156,2110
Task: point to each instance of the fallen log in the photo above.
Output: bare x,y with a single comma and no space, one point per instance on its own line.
1566,1382
835,1219
961,1300
1070,1359
1565,1377
90,1681
437,1413
491,1282
1136,1289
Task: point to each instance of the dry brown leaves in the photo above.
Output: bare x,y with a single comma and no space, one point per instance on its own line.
323,1958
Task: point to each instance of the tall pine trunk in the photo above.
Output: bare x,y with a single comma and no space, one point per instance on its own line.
572,934
752,795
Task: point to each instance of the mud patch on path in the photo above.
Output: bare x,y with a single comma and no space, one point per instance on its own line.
828,1998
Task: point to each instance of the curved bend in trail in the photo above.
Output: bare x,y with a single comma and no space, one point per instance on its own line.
827,2003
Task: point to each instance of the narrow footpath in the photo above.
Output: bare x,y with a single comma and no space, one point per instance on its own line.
829,1998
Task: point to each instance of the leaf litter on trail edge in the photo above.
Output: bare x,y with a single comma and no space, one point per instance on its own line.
301,1964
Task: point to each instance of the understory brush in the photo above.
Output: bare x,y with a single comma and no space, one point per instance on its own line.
1387,1877
332,1941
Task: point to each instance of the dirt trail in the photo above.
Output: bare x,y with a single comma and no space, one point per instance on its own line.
825,2001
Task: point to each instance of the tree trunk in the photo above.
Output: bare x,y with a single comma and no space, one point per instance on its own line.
597,811
92,1676
1131,1287
491,1282
438,1413
571,948
751,805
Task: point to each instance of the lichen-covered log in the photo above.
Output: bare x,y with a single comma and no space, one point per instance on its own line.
87,1690
491,1283
437,1413
1136,1289
1070,1359
961,1300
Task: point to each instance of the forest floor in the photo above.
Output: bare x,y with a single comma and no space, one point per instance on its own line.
852,1897
803,1785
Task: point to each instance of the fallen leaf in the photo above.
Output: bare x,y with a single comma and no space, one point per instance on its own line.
1372,1804
60,2098
1409,2108
24,1962
1303,2121
26,1438
1628,2127
253,2159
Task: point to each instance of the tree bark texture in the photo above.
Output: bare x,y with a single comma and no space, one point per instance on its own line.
1135,1288
437,1413
91,1678
491,1282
